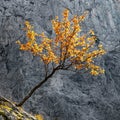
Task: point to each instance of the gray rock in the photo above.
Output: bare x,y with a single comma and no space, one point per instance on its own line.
67,96
9,111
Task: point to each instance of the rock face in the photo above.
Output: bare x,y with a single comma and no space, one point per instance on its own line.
8,111
67,96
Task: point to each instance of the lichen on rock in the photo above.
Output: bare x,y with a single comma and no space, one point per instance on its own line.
9,111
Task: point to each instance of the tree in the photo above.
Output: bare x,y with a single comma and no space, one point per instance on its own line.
68,50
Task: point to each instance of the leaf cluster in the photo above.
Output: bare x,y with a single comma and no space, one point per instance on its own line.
69,48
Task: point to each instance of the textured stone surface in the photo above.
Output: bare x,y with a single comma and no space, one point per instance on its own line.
8,111
75,96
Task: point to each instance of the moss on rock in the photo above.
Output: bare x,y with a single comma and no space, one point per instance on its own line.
9,111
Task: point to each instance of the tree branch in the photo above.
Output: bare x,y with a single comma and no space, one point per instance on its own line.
37,86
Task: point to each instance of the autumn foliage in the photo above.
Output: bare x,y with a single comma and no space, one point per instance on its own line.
68,48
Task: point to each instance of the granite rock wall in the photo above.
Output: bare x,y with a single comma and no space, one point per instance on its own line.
67,96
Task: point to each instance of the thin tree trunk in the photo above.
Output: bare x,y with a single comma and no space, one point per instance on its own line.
36,87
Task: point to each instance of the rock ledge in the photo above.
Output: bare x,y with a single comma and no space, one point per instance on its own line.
8,111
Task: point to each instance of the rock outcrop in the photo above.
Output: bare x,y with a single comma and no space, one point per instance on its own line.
8,111
67,96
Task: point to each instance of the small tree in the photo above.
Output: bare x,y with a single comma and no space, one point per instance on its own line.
67,50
